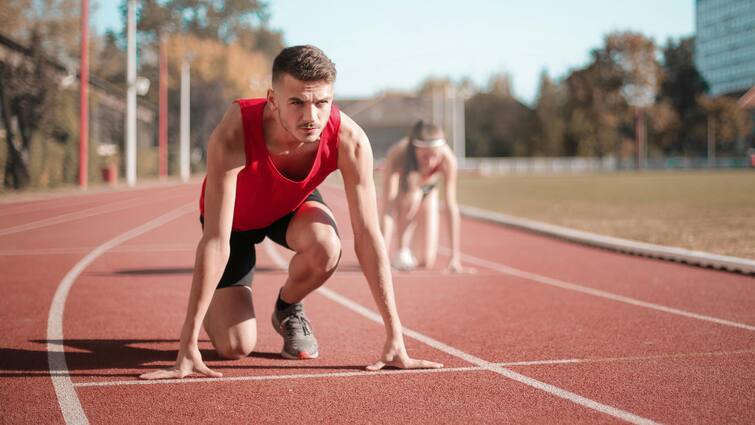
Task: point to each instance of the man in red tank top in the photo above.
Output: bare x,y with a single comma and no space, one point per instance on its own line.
264,162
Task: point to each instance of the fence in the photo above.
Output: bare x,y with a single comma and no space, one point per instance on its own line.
582,165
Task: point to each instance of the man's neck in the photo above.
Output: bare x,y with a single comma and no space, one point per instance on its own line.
279,141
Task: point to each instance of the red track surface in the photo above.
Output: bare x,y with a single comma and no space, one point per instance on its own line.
545,332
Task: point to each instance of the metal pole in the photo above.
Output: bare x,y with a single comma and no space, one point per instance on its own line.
643,140
131,97
437,111
448,114
84,98
711,142
454,121
163,137
639,128
462,153
184,155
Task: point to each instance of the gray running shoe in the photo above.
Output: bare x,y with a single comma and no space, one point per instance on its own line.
299,342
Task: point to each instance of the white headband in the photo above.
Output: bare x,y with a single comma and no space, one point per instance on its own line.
428,143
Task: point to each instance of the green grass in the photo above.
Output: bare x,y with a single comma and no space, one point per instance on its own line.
703,210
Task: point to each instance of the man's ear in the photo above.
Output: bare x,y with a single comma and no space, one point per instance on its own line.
271,99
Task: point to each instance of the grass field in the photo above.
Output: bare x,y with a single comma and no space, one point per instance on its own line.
710,211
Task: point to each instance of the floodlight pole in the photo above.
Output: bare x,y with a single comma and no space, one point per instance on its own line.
131,96
84,97
163,120
461,154
711,141
185,127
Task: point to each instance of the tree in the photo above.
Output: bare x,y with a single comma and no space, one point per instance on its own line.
27,92
681,82
681,87
29,87
501,85
730,121
549,110
12,17
432,86
595,108
498,125
219,73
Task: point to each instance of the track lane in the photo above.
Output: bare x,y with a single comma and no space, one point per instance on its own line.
174,269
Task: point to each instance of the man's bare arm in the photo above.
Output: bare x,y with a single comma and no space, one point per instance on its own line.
453,220
355,163
225,158
390,192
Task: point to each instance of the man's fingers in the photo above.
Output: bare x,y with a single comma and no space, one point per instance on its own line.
376,366
423,364
161,374
204,370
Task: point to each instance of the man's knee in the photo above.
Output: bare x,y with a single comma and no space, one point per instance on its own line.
235,350
325,253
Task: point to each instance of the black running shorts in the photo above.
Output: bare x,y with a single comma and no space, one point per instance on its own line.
239,270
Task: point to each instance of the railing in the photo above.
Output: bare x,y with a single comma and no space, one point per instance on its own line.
581,164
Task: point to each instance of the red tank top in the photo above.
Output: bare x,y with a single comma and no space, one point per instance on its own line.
263,194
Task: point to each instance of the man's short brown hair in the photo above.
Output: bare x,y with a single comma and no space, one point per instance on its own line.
305,63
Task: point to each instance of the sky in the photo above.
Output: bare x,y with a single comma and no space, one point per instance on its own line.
393,44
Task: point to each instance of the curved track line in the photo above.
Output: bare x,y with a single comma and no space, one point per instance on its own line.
492,367
64,389
102,209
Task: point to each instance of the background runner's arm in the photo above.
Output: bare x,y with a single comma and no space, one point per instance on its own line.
355,163
453,219
225,158
390,192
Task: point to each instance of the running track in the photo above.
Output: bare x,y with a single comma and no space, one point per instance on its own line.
94,288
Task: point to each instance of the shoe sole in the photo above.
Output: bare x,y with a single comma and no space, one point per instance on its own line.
301,356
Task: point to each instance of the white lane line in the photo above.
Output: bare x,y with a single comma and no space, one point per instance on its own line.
507,270
626,359
416,371
129,248
69,402
42,206
550,389
511,271
276,377
77,215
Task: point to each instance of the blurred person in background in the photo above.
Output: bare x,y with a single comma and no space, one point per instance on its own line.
413,170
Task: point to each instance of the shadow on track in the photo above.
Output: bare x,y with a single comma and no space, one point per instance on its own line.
99,357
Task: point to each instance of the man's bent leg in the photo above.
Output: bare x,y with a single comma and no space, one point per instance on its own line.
408,207
312,235
425,241
230,322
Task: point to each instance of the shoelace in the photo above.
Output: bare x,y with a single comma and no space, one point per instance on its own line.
295,322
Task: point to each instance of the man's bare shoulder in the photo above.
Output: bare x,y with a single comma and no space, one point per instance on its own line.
230,131
351,135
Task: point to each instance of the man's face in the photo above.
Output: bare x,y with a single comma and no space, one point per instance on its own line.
303,107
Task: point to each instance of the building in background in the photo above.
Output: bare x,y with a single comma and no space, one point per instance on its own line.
725,49
390,116
725,45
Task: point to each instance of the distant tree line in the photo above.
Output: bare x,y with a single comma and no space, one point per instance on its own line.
229,44
594,110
